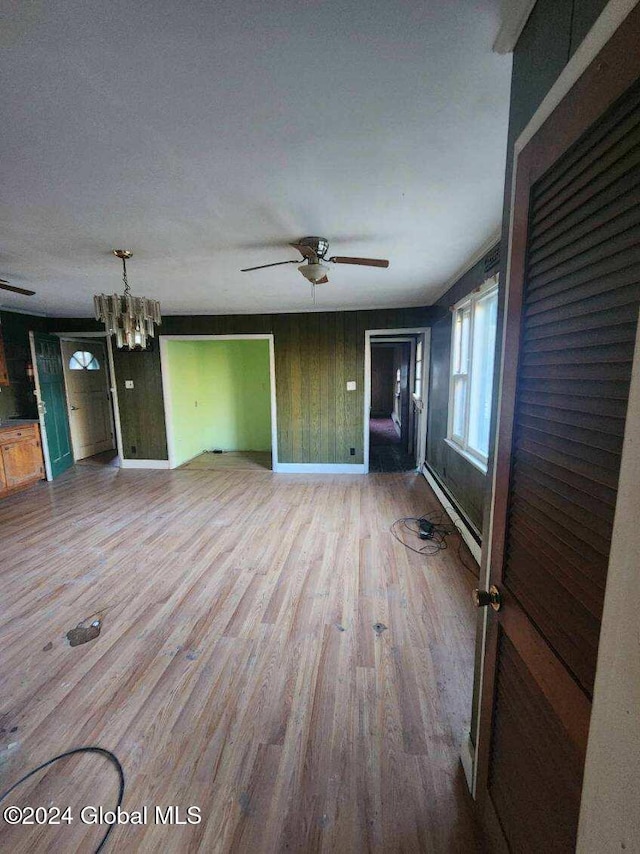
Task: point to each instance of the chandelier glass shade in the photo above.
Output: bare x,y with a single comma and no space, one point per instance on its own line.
131,319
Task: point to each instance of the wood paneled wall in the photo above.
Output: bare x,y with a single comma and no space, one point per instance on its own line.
316,354
18,399
382,380
142,423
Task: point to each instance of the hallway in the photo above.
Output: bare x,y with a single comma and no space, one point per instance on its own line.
386,453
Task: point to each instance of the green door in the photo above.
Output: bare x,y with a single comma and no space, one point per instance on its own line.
52,403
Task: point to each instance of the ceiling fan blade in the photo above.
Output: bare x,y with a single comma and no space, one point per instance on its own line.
7,287
363,262
306,251
264,266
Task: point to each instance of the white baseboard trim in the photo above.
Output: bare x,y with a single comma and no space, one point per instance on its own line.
455,517
318,468
144,464
468,758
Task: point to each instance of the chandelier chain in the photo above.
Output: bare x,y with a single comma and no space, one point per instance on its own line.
127,289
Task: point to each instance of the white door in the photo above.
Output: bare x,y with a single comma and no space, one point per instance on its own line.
89,399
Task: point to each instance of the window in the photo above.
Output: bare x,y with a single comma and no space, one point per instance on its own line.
472,356
417,388
83,360
396,397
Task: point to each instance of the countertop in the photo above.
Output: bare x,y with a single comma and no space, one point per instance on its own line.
17,422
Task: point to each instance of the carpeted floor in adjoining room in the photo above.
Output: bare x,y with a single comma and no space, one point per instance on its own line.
383,432
386,453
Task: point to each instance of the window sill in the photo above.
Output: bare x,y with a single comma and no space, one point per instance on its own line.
467,456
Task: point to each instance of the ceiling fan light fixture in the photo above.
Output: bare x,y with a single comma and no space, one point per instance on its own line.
313,272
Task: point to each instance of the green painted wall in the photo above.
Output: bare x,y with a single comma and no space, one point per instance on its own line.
187,422
220,395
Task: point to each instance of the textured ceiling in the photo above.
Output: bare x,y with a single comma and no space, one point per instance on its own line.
205,135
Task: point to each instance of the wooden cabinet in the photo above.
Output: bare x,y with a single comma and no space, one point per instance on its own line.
4,373
21,460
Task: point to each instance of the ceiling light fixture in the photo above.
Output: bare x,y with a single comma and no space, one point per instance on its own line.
131,319
313,271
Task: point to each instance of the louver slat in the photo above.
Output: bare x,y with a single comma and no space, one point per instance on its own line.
590,149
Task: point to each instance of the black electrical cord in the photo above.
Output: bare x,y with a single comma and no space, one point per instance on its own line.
100,750
461,542
439,532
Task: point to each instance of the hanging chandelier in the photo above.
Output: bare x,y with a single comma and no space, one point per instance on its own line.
131,319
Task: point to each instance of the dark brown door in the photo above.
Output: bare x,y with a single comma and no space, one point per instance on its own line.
571,319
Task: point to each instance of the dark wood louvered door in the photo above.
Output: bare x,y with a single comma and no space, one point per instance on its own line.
571,323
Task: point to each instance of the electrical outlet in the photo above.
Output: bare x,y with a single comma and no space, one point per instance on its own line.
351,385
352,451
128,383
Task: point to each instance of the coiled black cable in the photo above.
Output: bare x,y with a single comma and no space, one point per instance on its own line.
100,750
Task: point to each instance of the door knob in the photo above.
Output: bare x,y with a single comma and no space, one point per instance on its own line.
482,598
73,408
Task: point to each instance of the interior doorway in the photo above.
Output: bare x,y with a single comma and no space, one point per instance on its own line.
51,355
395,399
391,431
219,399
91,420
86,342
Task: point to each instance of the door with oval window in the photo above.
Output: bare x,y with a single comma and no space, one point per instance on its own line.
89,397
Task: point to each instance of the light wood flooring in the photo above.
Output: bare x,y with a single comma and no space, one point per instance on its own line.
238,668
236,460
105,458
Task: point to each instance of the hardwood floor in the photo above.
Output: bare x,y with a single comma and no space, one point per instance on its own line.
236,460
104,458
237,668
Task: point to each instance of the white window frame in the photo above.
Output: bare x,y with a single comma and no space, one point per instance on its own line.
417,377
460,443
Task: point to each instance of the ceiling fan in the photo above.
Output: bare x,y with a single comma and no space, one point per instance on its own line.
314,252
7,287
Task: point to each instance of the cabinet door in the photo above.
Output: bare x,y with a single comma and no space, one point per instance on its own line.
4,374
22,462
3,482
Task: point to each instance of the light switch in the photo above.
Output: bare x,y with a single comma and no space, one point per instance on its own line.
351,385
128,383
